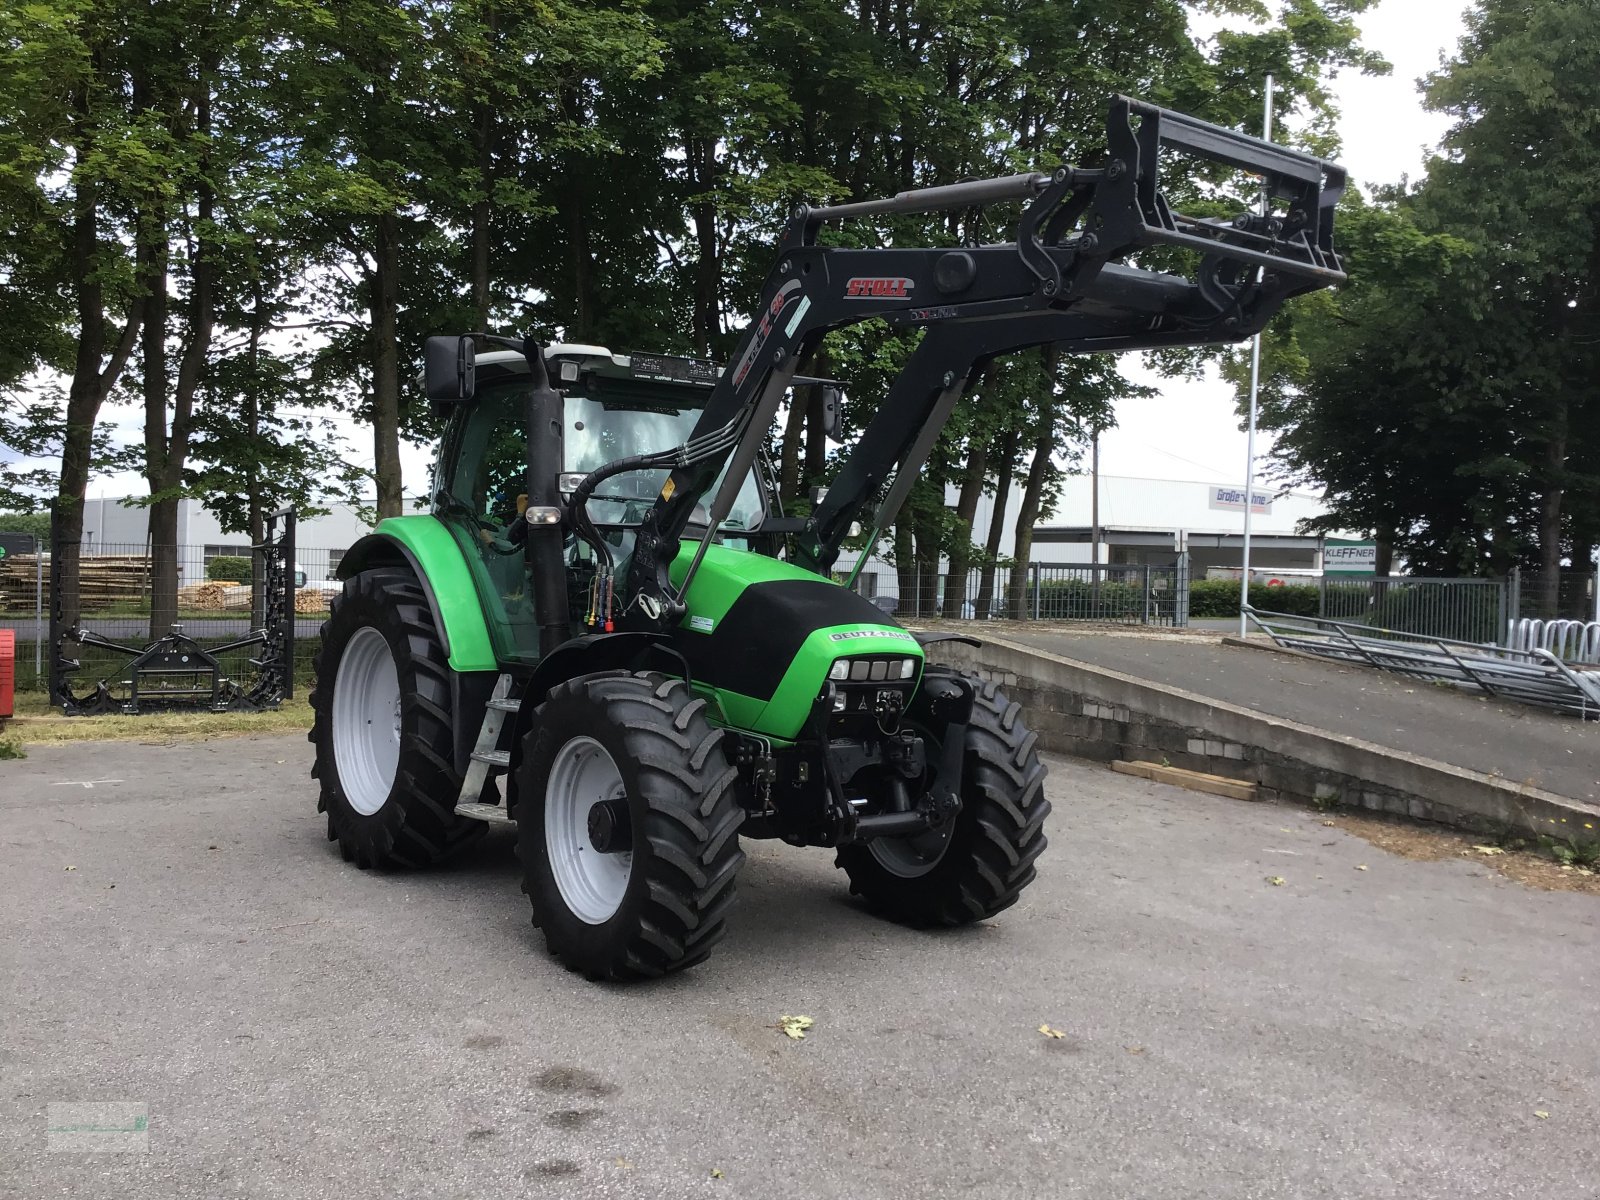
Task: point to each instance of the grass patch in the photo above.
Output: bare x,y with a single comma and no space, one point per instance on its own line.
41,724
11,748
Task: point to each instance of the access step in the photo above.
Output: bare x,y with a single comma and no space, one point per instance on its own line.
495,758
492,813
506,705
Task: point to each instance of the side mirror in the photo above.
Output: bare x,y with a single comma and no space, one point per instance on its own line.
832,410
448,372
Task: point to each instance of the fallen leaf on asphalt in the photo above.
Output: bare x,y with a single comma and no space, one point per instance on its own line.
1489,850
1541,1114
1330,824
1134,1049
623,1163
716,1172
1051,1033
794,1027
69,868
1276,880
1361,868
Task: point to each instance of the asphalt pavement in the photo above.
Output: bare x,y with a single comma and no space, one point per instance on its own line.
180,935
1452,725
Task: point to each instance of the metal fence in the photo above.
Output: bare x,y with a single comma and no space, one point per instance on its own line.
1467,610
1572,595
218,603
1122,594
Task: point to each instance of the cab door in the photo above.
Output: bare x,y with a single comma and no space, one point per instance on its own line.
482,491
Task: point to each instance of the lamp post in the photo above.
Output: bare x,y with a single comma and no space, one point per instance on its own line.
1255,383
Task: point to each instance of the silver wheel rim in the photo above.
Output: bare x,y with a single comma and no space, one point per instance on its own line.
592,884
366,721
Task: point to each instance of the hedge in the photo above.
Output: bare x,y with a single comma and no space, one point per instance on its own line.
229,568
1220,598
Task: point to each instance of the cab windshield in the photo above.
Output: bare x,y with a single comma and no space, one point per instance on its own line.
602,430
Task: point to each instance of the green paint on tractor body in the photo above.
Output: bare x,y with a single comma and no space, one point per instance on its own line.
796,624
765,685
434,554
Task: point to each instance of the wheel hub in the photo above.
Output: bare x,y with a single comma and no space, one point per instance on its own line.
609,830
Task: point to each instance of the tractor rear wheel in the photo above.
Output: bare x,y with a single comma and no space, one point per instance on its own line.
987,856
627,825
383,727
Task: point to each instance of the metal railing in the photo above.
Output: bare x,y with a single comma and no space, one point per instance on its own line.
1119,593
1570,641
1526,676
1467,609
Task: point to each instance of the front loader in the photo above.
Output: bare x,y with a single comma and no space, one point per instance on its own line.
607,633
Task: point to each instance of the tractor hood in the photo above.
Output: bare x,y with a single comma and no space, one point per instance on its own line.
764,634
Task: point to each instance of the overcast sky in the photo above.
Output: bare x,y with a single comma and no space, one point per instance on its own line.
1190,430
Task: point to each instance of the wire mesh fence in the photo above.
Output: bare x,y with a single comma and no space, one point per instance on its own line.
1563,596
219,600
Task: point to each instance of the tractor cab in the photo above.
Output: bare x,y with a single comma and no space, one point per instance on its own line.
613,406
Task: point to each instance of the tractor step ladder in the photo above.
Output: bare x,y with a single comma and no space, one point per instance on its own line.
487,757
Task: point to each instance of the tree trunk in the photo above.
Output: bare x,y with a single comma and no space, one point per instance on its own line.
162,517
255,510
1027,515
955,582
789,455
816,440
482,211
1549,595
707,316
905,564
167,451
386,367
997,522
92,378
928,539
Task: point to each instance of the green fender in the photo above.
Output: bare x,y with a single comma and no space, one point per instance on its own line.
427,547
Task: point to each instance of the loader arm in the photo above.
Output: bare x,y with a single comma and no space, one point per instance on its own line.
1057,283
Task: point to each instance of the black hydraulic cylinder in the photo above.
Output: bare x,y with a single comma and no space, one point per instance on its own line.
545,556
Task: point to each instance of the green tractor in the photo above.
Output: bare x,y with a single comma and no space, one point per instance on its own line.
607,632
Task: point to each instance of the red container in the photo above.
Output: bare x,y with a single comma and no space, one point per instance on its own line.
8,671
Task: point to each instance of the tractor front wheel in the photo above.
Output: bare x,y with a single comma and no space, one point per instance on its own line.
382,726
981,863
627,825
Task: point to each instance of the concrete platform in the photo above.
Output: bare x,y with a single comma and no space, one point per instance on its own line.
1300,727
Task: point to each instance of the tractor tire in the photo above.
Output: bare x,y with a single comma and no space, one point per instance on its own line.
383,727
646,891
997,837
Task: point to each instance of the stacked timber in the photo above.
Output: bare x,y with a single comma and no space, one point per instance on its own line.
105,580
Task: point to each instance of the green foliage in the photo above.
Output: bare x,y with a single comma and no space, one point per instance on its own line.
229,568
37,524
1445,397
1081,599
1220,598
295,195
11,748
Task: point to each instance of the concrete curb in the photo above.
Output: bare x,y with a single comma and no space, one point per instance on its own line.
1093,712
